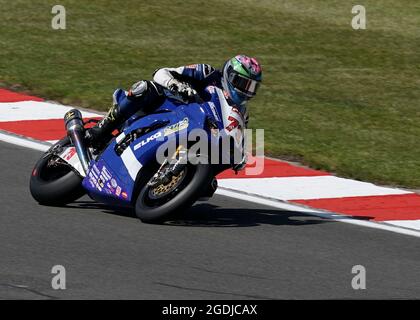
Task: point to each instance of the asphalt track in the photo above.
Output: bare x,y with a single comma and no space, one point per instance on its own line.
221,249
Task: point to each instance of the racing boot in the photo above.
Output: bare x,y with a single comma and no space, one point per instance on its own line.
144,96
99,135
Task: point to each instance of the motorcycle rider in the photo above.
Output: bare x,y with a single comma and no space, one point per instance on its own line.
239,79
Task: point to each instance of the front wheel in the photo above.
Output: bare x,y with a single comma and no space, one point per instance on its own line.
53,182
156,203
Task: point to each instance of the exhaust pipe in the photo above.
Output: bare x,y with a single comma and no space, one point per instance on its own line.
76,131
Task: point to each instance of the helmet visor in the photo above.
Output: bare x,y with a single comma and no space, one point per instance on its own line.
244,85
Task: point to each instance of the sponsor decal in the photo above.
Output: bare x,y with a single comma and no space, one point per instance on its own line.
207,70
101,178
68,115
94,181
94,174
69,153
113,183
234,123
146,141
106,174
183,124
95,168
110,189
214,110
191,66
211,89
105,182
234,120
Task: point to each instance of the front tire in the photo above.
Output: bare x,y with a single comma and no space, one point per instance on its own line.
55,186
151,210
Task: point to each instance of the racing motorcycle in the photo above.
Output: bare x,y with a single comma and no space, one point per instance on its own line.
126,172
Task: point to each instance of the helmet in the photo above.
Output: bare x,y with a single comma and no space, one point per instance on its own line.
241,78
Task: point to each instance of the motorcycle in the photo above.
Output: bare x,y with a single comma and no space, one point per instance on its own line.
126,172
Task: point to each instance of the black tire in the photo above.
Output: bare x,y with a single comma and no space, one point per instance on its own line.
55,187
190,190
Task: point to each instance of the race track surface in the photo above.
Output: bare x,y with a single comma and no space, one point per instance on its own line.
221,249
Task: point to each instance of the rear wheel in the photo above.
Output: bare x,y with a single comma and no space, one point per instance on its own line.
157,203
53,182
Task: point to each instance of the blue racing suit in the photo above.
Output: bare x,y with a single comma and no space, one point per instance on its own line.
147,95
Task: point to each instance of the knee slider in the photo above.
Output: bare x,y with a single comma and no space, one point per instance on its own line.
118,96
138,89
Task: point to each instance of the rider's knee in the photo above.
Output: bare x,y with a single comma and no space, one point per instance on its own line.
118,96
139,89
122,104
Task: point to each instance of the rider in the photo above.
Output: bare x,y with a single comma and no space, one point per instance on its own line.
239,78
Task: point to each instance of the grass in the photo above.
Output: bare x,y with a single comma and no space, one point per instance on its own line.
334,98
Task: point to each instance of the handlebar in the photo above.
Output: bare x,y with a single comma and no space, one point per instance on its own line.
183,98
198,99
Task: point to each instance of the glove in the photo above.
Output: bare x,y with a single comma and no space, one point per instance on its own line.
184,89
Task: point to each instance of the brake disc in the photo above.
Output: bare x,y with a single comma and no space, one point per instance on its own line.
162,190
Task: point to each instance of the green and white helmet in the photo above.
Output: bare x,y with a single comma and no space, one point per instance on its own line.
241,78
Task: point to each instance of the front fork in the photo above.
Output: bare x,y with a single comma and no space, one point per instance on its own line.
173,167
170,168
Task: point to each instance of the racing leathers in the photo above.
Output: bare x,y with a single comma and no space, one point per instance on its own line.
146,96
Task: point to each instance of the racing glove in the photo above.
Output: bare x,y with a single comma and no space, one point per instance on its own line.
182,88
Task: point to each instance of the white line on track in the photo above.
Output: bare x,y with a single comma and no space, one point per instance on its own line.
322,187
35,110
284,205
23,142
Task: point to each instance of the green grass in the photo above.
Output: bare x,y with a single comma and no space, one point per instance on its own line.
334,98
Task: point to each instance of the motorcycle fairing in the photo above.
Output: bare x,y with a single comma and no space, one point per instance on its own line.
70,156
124,168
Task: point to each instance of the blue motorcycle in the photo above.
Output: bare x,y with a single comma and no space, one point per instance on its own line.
128,173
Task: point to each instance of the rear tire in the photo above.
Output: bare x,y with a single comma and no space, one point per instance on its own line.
55,186
197,178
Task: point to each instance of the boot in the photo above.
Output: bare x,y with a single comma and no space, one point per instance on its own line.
99,135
